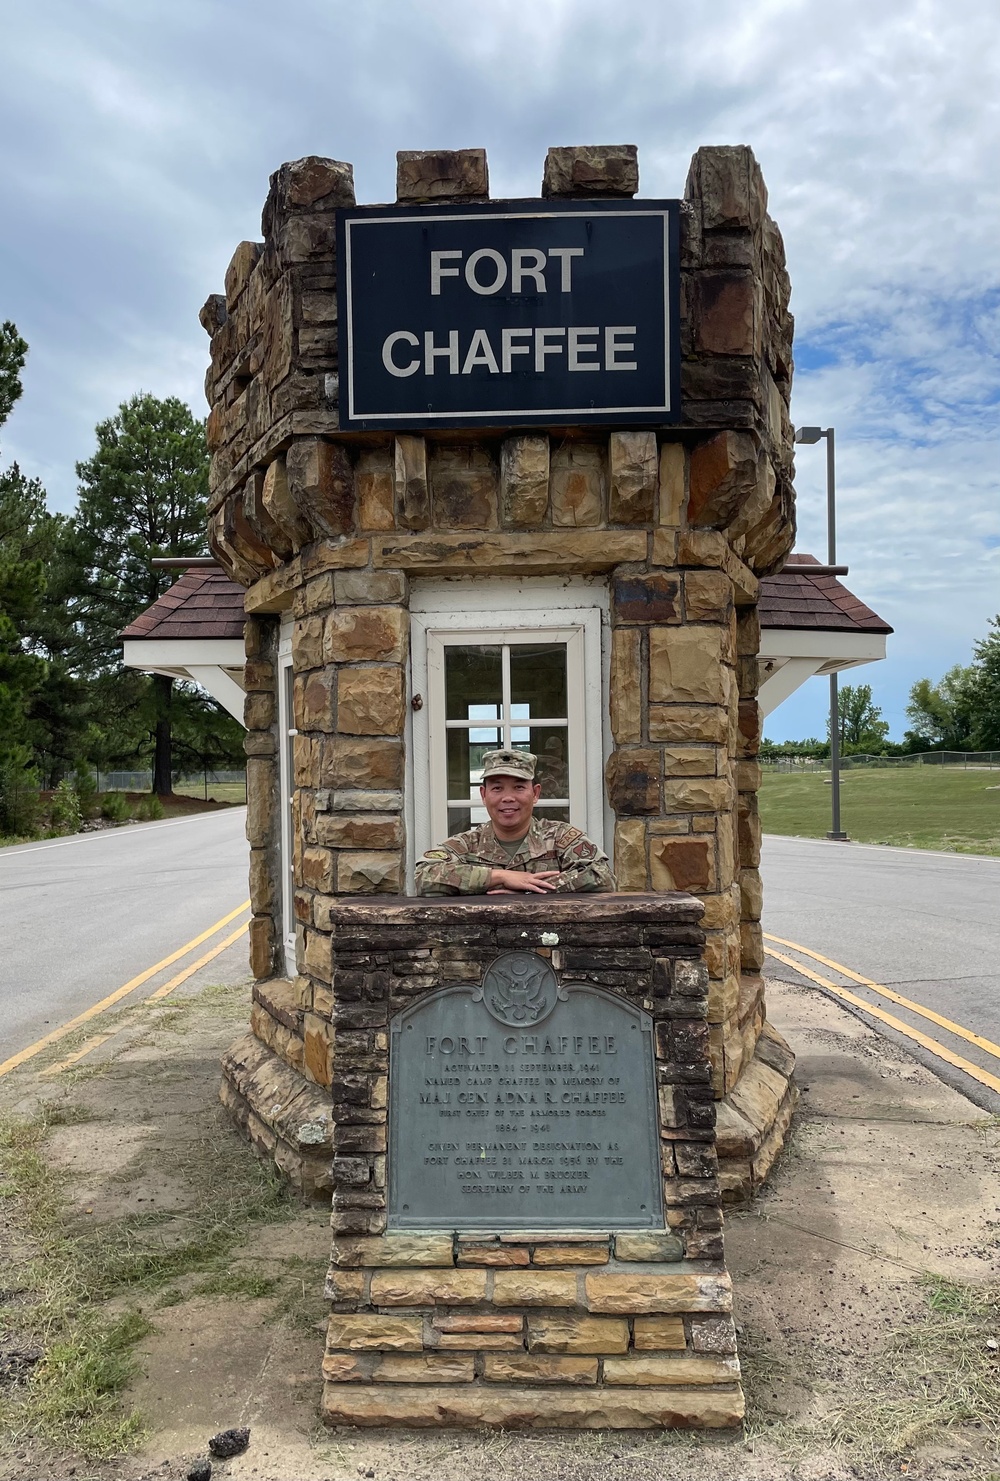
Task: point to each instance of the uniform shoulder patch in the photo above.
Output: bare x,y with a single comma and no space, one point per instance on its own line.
585,850
567,833
436,853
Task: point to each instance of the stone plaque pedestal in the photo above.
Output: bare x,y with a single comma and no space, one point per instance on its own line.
587,1016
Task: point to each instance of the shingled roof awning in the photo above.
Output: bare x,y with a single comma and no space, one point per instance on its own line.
810,624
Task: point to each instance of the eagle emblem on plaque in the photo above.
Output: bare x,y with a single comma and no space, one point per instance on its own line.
520,988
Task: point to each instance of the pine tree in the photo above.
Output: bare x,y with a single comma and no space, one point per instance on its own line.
142,495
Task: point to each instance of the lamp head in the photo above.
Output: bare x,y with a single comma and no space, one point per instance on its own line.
808,434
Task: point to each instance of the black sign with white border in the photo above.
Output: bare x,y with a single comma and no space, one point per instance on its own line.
509,314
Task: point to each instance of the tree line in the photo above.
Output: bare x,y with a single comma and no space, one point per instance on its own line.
69,584
961,712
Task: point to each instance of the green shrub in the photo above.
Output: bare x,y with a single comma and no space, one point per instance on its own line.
149,809
85,786
64,814
115,808
18,795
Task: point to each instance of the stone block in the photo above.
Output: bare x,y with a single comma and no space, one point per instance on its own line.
673,494
531,1368
590,1334
649,1294
727,313
278,504
441,174
688,761
243,262
374,480
371,831
681,864
492,1255
577,484
273,536
632,464
648,1247
535,1288
752,946
540,553
716,1334
477,1321
647,598
369,873
630,854
626,685
588,1253
317,1049
591,170
413,506
679,1369
656,1333
316,700
396,1287
373,1332
518,1406
262,944
633,781
685,666
310,183
318,869
341,1367
463,482
262,798
369,588
698,794
363,634
397,1251
723,477
481,1341
702,548
212,314
688,723
425,1367
726,186
307,644
374,762
321,481
371,700
708,596
524,482
748,776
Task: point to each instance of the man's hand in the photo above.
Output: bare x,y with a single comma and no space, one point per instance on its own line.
514,881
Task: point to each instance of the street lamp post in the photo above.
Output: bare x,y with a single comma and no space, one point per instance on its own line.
810,435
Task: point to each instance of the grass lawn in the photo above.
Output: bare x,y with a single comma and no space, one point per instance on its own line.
933,807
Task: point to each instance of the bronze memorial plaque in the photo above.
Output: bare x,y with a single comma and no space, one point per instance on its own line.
523,1103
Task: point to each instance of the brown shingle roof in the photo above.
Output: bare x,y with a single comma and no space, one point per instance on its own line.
800,601
206,604
202,604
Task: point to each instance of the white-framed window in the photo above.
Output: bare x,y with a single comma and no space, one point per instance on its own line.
286,788
506,663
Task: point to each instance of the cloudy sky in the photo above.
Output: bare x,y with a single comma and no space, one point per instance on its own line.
136,141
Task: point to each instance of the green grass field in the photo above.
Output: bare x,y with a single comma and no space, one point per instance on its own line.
933,807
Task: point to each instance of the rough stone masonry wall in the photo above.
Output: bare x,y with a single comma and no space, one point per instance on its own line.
590,1329
333,526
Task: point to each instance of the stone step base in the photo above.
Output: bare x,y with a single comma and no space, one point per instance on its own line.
532,1407
754,1118
288,1119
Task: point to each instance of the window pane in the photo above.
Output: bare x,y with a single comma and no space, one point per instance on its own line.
465,760
458,820
538,680
473,683
549,743
560,814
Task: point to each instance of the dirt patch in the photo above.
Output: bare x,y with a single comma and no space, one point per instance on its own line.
866,1279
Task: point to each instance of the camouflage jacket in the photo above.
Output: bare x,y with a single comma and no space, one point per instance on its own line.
462,865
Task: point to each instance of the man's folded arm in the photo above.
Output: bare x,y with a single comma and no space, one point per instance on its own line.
442,872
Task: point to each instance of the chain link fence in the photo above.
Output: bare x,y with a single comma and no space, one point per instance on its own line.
224,786
968,760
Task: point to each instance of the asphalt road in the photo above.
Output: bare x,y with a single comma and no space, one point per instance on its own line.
926,925
81,916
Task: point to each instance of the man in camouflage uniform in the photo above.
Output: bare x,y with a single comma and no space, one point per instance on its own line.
514,851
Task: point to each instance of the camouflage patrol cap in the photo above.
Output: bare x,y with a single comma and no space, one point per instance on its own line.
509,763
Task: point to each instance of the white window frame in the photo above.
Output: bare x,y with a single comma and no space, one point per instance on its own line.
557,609
284,680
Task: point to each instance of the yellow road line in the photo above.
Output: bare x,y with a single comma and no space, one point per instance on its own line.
987,1045
928,1043
116,996
168,987
71,1059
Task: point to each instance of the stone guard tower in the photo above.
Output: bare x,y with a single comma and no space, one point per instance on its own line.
338,537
